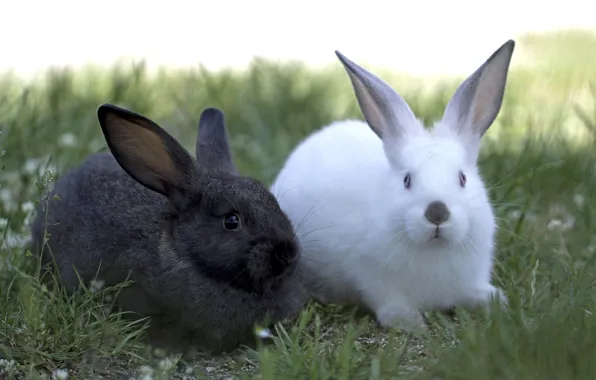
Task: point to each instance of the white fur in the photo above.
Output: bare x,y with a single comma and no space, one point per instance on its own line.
364,236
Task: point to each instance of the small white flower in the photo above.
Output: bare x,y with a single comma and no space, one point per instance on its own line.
96,285
28,219
16,240
3,223
146,373
579,200
51,170
8,364
263,332
28,207
60,374
515,214
145,370
555,224
68,139
569,222
31,166
6,197
166,364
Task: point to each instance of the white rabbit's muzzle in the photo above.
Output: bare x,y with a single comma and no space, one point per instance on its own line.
437,222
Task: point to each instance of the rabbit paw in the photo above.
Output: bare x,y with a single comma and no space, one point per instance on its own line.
498,293
401,317
485,296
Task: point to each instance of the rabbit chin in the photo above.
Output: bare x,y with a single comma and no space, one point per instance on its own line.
422,232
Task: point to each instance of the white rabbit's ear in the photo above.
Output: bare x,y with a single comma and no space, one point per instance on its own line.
477,101
385,111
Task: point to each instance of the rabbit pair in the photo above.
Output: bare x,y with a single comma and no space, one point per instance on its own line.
210,251
392,217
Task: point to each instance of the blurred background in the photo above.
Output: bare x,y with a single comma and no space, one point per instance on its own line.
419,37
270,66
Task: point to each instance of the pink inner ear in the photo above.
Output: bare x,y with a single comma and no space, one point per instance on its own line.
142,150
488,94
369,107
484,102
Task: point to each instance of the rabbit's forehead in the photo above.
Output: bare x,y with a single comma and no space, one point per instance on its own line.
242,194
431,153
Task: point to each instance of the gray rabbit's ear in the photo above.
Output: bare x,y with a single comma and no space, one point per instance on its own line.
213,149
148,153
385,111
477,101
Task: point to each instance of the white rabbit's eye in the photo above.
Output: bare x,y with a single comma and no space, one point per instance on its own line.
462,179
407,181
231,222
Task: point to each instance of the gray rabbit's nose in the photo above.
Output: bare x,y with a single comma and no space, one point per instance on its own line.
437,212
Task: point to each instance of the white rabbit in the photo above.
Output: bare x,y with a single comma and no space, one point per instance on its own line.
395,218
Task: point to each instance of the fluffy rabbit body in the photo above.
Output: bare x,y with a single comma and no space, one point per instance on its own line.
210,251
391,216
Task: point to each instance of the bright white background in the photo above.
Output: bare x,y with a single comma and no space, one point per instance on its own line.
418,36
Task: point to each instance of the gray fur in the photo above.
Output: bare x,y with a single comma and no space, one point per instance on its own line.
206,284
213,149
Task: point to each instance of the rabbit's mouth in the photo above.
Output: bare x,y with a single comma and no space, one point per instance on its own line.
438,235
271,262
282,258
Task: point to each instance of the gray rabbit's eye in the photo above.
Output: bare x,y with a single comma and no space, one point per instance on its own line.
231,222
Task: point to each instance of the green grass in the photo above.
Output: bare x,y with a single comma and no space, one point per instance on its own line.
538,160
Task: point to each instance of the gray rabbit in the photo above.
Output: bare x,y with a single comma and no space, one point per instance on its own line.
210,251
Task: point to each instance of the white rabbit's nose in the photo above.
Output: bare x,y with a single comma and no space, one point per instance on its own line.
437,212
